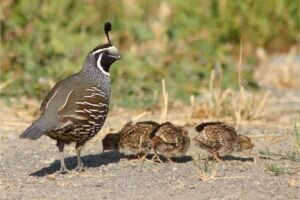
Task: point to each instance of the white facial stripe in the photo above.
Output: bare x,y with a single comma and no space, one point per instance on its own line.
110,49
100,67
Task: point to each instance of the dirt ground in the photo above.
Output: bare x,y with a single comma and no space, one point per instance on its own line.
30,169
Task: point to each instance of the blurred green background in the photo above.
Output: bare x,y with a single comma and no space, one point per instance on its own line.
44,41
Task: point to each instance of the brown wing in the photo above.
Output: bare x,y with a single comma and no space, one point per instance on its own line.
147,123
49,96
84,105
201,126
126,133
168,133
127,128
136,135
216,135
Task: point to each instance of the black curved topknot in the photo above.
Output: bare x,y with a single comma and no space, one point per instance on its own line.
107,28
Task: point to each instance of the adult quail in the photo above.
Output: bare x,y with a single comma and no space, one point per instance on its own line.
169,140
76,107
132,138
220,138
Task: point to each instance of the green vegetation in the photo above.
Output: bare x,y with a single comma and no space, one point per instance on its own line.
208,168
44,41
287,155
277,170
295,136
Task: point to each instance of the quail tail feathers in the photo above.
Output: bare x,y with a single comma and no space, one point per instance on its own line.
36,130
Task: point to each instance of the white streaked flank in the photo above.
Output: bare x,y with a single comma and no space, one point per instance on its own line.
86,125
51,98
80,111
87,110
91,104
99,94
66,124
79,117
89,96
66,101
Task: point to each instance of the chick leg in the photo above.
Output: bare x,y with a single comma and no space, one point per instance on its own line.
156,156
144,158
169,159
137,157
217,157
155,142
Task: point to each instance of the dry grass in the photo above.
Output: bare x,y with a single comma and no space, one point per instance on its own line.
241,105
163,116
241,96
8,82
295,136
281,74
140,116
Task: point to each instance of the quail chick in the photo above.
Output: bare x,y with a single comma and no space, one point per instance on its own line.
132,138
219,138
76,107
169,140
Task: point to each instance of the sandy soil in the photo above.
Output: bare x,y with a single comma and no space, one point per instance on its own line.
30,170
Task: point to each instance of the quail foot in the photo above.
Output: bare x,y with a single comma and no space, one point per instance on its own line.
77,106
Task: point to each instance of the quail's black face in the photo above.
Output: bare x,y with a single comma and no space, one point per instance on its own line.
111,142
105,56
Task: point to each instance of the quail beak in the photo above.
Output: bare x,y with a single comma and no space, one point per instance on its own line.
115,56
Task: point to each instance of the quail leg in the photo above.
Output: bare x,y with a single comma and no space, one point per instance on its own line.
63,169
156,156
141,157
155,141
144,158
78,148
169,159
217,157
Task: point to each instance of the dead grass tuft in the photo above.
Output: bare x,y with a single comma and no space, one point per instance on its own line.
295,136
241,105
163,116
280,73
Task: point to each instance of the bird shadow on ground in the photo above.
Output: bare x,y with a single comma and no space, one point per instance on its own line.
182,159
233,158
71,162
